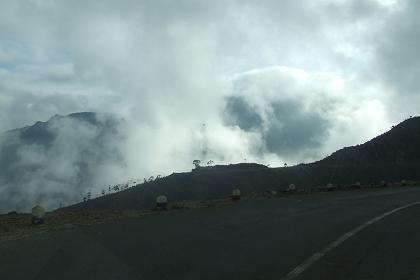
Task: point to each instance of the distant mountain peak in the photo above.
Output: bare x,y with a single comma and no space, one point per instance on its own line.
57,159
84,116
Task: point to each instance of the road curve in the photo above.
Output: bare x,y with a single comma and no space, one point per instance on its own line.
260,239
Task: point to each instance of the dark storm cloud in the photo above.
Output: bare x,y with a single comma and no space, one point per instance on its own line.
292,130
239,112
288,128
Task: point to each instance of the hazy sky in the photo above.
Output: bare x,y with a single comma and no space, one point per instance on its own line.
274,81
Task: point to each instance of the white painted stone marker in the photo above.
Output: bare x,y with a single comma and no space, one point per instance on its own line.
291,188
161,202
38,213
236,195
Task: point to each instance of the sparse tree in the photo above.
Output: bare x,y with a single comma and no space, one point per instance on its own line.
210,162
197,163
103,192
285,164
151,178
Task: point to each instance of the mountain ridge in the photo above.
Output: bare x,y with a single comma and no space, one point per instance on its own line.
392,156
57,159
394,146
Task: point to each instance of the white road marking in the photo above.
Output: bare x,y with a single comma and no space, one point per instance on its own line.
318,255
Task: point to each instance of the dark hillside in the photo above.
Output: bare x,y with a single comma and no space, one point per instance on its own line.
392,156
400,145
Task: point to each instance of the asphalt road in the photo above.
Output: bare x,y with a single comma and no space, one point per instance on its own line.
263,239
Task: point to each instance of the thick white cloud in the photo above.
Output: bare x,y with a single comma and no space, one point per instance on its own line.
304,115
346,68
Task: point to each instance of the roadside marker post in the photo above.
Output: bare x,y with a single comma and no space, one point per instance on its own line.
161,202
291,188
236,195
38,213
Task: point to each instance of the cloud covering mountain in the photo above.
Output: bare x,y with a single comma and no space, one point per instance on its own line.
273,81
58,161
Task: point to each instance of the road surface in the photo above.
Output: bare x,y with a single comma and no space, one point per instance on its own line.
320,236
